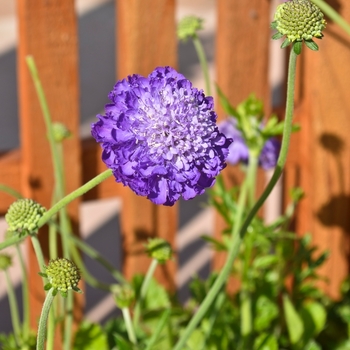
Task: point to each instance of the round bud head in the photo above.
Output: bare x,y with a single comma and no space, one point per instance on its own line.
5,261
63,274
23,215
159,249
124,295
60,132
299,20
188,27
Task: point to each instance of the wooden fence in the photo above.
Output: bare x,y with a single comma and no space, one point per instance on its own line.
319,160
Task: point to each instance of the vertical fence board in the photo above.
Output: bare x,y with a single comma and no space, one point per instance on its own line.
145,39
48,32
320,152
242,48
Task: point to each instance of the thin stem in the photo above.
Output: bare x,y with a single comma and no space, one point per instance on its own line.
13,309
237,238
333,15
94,254
73,195
68,323
11,191
53,241
253,164
11,241
129,325
203,61
25,295
158,330
40,344
39,254
143,292
51,331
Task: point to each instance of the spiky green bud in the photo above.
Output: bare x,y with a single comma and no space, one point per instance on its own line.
5,261
124,295
299,20
23,216
159,249
188,27
63,275
60,132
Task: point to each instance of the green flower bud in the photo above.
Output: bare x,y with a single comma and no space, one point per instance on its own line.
60,132
299,20
5,261
188,27
63,275
124,295
159,249
23,216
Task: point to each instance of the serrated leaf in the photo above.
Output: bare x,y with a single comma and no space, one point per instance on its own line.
311,45
294,322
297,46
277,36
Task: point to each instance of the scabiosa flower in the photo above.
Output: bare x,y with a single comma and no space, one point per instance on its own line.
239,152
159,136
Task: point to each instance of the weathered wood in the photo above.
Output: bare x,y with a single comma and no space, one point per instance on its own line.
146,38
242,48
320,152
48,32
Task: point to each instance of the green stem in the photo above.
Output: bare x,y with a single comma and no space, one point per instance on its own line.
13,309
94,254
50,342
129,325
53,241
73,195
163,320
25,295
203,61
143,292
11,241
9,190
40,344
333,15
237,238
39,254
251,177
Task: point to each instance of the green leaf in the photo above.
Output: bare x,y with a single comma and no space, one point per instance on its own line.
344,312
156,297
121,343
314,319
263,262
266,341
197,337
48,286
246,315
90,336
285,43
273,25
217,245
42,274
277,36
297,46
265,312
294,322
311,45
312,345
225,104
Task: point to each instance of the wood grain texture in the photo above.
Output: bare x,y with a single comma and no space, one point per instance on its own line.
242,49
320,152
48,32
146,38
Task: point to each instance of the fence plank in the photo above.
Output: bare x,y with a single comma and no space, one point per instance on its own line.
145,39
320,152
242,49
48,31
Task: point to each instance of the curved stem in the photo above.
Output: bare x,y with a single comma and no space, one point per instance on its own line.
237,238
13,309
128,325
40,344
143,292
73,195
11,191
11,241
203,61
39,254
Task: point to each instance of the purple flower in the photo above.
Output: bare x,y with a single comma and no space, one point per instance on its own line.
159,136
239,152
